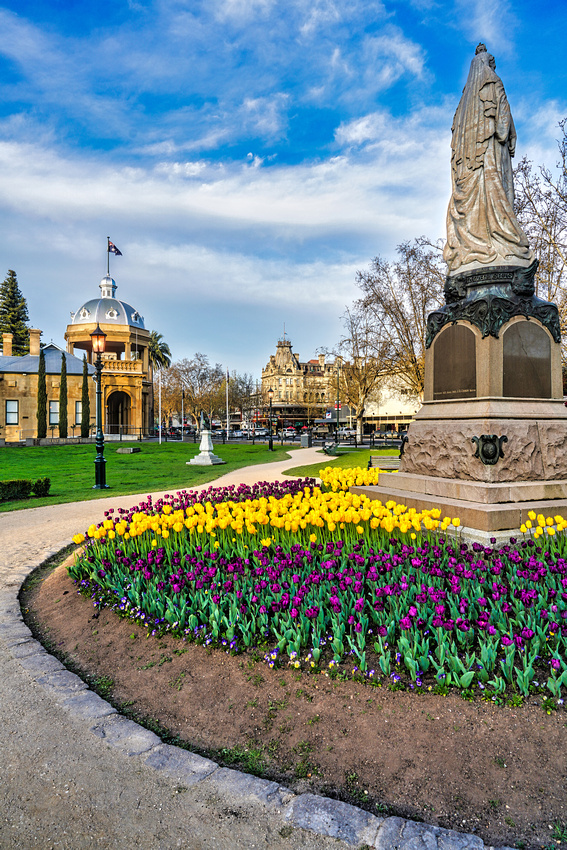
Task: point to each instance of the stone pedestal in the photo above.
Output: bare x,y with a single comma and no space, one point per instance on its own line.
206,457
490,442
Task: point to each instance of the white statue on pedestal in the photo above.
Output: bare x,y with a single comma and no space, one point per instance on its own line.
482,228
206,456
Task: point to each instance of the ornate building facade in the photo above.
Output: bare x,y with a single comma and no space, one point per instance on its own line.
302,391
127,379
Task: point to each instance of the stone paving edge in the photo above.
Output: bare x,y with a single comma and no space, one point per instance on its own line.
320,815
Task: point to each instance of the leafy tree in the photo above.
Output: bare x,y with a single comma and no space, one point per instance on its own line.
396,299
14,316
158,351
159,356
63,420
41,397
85,401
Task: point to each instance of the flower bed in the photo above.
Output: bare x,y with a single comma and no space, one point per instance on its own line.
334,478
334,581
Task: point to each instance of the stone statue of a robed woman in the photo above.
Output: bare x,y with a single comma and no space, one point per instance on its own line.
482,228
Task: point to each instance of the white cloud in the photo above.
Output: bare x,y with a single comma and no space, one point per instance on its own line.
241,10
215,253
320,12
367,128
266,116
490,21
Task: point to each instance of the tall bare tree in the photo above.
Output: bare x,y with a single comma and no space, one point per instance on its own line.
314,398
541,207
201,382
241,390
360,361
396,299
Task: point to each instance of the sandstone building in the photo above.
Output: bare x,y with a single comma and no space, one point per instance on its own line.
302,391
127,379
18,390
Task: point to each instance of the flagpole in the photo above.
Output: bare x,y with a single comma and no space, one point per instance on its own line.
108,256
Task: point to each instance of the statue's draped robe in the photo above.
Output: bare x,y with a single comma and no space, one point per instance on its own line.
481,224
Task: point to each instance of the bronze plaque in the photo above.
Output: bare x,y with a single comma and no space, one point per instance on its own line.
454,364
527,361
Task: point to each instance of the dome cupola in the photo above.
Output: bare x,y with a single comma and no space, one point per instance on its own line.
107,309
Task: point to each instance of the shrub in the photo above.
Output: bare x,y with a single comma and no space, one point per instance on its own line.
41,398
18,488
41,487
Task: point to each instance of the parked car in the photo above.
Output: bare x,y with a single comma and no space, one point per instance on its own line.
261,432
237,434
288,433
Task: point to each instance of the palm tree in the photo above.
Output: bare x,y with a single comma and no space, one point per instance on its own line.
158,351
159,356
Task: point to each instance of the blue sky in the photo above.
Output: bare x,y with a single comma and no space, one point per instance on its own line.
246,156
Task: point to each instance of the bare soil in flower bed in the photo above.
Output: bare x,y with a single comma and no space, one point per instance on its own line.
496,770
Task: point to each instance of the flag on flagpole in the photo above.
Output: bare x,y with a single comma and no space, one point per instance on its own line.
112,249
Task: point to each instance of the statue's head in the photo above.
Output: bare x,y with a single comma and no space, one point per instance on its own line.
484,56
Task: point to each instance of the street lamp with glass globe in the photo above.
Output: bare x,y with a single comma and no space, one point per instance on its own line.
98,340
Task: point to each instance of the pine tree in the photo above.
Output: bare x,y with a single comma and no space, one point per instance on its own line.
63,398
41,398
14,316
85,402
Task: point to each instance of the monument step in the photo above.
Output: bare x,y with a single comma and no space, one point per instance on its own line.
504,516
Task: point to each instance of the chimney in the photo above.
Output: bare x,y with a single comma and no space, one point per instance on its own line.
7,344
34,341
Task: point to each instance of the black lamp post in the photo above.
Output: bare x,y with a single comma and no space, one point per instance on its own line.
98,338
338,398
271,439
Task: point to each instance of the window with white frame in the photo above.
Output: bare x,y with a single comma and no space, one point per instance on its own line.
54,413
78,412
12,412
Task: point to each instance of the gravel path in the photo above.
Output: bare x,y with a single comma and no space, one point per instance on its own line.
76,775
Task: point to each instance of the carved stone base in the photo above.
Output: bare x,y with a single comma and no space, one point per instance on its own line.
442,467
442,440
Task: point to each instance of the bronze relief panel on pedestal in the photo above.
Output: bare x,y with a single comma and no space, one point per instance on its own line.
454,364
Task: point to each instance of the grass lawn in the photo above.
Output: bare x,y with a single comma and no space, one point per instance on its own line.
345,460
155,468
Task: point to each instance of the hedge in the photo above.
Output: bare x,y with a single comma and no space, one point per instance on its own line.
21,488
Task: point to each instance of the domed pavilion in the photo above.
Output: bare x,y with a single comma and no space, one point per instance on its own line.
127,380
